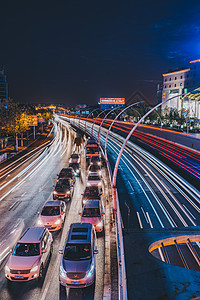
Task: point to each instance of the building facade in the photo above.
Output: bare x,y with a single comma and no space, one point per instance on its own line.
3,88
175,85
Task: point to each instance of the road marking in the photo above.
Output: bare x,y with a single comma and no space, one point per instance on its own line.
189,212
145,215
149,220
140,222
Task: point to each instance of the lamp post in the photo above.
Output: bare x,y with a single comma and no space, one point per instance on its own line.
96,118
89,115
124,145
103,121
106,156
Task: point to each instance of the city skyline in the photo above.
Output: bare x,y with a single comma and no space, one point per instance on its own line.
78,52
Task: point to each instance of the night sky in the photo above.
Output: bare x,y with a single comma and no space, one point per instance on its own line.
78,51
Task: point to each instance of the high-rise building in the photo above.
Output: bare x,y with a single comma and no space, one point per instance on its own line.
3,88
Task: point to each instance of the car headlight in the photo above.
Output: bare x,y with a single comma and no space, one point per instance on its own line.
99,184
39,222
62,272
88,184
99,172
99,163
91,271
100,224
84,201
77,171
34,269
68,192
57,222
7,269
54,192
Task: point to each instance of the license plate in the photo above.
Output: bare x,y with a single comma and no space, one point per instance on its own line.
61,197
19,277
75,282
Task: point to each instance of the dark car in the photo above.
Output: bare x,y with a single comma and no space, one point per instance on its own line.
95,160
63,189
76,168
66,173
91,192
94,168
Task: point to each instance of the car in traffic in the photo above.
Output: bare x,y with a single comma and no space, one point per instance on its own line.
63,189
52,215
74,158
93,213
66,173
91,192
30,255
95,160
94,169
76,168
78,266
94,179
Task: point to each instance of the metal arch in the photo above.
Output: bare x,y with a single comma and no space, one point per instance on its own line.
124,145
96,118
103,121
106,156
90,114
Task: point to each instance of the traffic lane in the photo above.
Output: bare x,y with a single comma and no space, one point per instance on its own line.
171,206
54,288
34,196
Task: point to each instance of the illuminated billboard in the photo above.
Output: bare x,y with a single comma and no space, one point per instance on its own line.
112,101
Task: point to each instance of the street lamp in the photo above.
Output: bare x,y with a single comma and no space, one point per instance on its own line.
90,114
124,145
106,156
96,118
103,121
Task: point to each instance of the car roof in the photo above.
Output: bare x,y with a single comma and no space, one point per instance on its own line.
66,169
53,203
32,235
80,233
92,203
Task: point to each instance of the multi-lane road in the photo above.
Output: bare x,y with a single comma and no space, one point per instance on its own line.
25,185
155,203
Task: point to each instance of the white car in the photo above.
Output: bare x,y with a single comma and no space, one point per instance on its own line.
30,256
52,215
74,158
94,179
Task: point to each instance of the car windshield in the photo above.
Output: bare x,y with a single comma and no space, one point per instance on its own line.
51,211
94,168
91,212
93,177
74,156
74,165
77,251
27,249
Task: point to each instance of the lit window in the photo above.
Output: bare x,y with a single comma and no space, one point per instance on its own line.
181,84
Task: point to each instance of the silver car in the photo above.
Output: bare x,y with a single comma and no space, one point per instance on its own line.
77,267
94,179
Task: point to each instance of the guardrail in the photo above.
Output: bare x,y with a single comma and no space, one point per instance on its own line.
122,285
